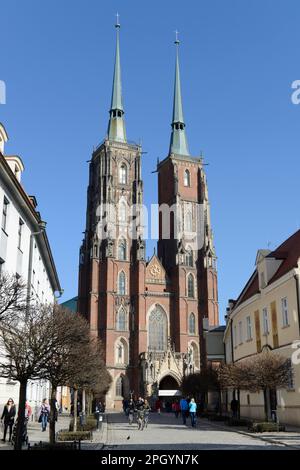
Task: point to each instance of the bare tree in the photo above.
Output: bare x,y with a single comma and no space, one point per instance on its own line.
200,383
271,371
264,372
69,333
26,347
12,296
93,374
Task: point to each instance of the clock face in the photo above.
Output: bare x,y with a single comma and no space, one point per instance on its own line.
155,270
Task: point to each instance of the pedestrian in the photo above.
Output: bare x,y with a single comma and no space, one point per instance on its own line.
28,410
158,405
193,410
184,409
44,414
176,408
8,416
98,410
234,405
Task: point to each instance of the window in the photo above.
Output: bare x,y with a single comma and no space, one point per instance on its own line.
122,250
189,257
119,387
157,330
285,312
188,222
20,231
4,213
123,174
33,277
190,285
187,178
1,265
249,328
121,352
240,332
234,336
265,321
122,283
121,324
192,324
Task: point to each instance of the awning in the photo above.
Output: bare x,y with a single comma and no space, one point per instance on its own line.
169,393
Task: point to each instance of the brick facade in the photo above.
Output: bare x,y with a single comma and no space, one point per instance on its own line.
118,311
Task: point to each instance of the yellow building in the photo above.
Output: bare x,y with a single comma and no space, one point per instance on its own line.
266,315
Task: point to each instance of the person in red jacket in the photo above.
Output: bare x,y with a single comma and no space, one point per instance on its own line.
158,405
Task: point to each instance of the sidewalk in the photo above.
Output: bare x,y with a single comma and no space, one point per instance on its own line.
290,438
36,435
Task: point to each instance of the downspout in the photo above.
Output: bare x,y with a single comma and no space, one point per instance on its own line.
296,277
231,335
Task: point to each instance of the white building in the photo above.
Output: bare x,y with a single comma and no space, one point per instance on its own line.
25,251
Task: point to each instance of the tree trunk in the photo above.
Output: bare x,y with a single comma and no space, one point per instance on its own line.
220,403
267,404
239,403
21,415
83,401
75,399
53,413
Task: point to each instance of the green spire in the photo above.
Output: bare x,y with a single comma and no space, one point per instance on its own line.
116,125
178,144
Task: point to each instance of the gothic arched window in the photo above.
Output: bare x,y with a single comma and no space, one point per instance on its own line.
187,178
122,250
119,387
189,257
122,283
192,324
121,323
157,330
121,352
123,174
188,222
190,285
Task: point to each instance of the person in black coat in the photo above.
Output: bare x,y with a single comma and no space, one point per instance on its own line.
8,415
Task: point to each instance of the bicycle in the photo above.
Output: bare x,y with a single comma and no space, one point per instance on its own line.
141,420
130,417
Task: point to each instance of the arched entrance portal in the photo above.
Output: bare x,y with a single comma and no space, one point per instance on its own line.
168,383
168,392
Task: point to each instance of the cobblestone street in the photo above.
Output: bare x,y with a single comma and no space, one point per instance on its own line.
167,432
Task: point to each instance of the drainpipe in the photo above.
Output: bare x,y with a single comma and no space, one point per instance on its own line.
231,335
296,277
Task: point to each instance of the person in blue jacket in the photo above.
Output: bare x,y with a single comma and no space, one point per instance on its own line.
193,410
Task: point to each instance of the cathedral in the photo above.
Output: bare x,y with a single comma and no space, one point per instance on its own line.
151,315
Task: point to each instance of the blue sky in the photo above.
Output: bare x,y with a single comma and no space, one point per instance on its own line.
238,61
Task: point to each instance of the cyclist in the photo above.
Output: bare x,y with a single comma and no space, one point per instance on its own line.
140,406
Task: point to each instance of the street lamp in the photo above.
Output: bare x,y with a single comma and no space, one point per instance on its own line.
42,227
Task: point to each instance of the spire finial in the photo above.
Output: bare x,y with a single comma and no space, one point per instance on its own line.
116,126
178,144
117,25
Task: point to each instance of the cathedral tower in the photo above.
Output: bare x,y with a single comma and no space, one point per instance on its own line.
148,314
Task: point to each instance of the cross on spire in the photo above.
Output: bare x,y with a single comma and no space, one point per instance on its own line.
176,37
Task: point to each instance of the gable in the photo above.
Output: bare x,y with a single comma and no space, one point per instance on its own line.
155,272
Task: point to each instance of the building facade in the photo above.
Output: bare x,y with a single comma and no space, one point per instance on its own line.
150,315
24,251
266,315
